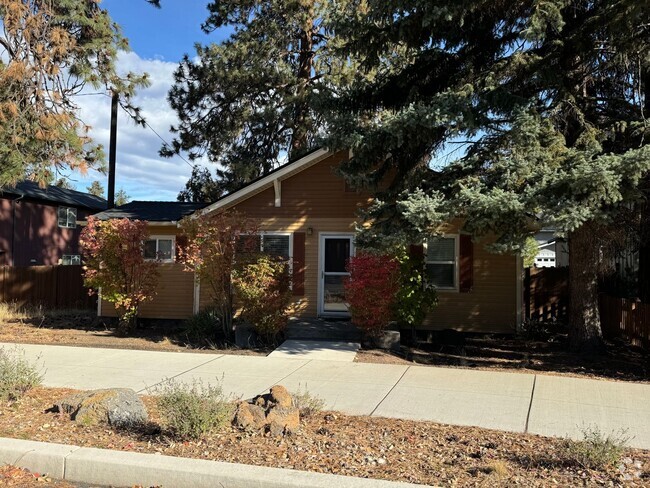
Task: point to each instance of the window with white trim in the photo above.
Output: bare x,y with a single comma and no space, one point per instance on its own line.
160,248
67,217
70,259
276,244
442,262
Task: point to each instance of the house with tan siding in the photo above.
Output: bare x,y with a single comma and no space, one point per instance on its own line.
307,213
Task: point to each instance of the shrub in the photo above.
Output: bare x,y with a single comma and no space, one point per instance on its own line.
307,403
595,450
416,296
204,327
190,411
263,291
17,375
371,291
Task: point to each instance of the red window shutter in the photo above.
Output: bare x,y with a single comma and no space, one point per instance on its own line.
298,263
466,264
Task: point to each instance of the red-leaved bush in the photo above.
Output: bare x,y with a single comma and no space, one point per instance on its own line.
371,291
113,261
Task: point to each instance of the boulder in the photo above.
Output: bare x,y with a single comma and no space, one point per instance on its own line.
118,407
281,396
249,416
273,412
283,420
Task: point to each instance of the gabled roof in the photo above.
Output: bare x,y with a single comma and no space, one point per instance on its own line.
55,194
266,181
151,211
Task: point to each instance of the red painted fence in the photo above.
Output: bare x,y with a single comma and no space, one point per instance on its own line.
54,287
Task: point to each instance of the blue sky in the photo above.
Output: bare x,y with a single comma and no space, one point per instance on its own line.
158,38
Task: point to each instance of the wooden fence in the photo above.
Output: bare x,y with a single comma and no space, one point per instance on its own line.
625,318
546,294
55,287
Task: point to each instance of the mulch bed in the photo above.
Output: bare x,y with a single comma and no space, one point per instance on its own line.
18,477
84,330
548,354
401,450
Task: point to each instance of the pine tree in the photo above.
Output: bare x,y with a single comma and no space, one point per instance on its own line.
64,183
545,98
97,189
48,52
201,187
250,101
121,197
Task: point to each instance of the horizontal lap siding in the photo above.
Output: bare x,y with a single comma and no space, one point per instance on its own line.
174,298
491,305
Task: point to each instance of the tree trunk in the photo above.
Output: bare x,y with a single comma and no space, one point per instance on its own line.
643,274
585,333
299,138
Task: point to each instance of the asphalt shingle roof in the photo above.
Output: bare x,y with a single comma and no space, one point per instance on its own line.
72,198
151,211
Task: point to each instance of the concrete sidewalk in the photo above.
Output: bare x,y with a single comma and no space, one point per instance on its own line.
541,404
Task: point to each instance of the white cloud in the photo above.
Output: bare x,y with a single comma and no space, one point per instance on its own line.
142,173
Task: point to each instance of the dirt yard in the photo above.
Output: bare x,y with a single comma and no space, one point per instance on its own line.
418,452
546,353
79,328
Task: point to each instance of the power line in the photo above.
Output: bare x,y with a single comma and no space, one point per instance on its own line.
162,139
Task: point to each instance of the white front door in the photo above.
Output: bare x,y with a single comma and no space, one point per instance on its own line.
334,252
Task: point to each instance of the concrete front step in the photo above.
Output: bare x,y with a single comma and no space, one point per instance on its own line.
321,329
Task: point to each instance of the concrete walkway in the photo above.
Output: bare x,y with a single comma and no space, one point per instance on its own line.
541,404
311,349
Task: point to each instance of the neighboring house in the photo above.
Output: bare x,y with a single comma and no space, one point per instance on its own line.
553,251
38,226
307,213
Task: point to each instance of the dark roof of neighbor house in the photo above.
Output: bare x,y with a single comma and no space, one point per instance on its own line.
152,211
55,194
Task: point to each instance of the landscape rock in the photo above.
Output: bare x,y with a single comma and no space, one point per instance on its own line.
118,407
273,412
281,396
283,420
249,416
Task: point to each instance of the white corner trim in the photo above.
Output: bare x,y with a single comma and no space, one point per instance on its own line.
520,291
277,188
302,163
197,294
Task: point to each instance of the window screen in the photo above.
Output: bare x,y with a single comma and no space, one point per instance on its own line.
441,262
276,245
67,217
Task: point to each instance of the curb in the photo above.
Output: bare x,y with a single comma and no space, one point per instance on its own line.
120,468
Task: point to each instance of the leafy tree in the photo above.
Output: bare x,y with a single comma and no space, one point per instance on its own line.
114,262
544,98
212,243
97,189
49,51
201,187
121,197
263,290
250,100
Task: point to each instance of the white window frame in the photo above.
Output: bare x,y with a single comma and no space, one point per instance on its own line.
67,217
70,256
162,238
455,262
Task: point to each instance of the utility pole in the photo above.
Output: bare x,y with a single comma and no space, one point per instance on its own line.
112,147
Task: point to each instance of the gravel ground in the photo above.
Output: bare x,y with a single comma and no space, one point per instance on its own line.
400,450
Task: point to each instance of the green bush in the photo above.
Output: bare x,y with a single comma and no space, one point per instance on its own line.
263,290
204,327
307,403
595,450
416,296
190,411
17,375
